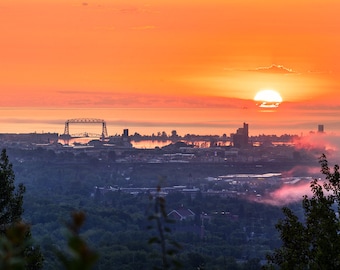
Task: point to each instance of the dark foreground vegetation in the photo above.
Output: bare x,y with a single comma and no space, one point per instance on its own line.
313,241
123,229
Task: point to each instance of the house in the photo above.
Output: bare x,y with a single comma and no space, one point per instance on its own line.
182,214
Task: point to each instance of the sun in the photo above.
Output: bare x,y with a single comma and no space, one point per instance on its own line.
268,99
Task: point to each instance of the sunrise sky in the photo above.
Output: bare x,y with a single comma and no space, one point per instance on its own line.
209,55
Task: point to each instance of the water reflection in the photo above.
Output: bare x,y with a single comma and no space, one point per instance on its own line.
145,144
151,144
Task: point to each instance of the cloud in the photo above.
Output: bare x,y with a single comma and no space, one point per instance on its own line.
129,10
32,121
274,69
270,70
137,9
174,124
287,194
143,27
141,100
294,186
318,144
302,170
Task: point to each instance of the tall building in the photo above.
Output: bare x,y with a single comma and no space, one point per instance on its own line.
241,137
320,128
125,133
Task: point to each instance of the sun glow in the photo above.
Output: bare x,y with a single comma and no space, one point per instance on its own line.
268,99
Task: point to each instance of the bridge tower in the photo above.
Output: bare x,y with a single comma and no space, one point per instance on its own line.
67,130
104,130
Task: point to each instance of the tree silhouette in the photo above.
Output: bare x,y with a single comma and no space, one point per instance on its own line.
11,200
314,242
78,256
168,247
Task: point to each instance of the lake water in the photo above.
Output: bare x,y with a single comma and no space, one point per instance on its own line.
148,121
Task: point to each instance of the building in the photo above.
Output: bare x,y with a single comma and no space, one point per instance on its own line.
241,137
182,214
320,129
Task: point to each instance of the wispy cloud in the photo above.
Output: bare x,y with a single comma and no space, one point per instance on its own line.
295,185
274,69
143,27
176,124
106,99
318,143
287,194
32,121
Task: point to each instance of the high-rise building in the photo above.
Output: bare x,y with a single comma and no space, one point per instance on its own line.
320,128
241,137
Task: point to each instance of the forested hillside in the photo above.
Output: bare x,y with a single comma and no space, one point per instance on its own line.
224,233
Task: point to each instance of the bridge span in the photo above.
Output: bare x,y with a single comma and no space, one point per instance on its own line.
90,121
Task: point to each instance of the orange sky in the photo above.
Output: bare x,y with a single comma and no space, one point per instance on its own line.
112,53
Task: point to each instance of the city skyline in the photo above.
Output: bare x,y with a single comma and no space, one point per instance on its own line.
149,121
185,65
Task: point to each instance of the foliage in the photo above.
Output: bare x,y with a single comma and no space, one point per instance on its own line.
115,224
314,242
12,246
80,256
168,246
16,250
10,200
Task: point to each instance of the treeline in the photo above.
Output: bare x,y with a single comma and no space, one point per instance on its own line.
226,233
